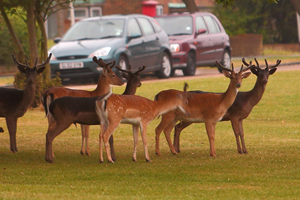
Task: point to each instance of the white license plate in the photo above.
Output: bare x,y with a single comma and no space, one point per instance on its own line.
71,65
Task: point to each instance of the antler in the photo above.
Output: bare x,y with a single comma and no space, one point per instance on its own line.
48,59
224,68
102,64
18,63
140,69
277,63
123,70
249,65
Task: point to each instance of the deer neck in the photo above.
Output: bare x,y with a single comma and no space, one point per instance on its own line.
257,92
129,90
229,96
102,88
28,95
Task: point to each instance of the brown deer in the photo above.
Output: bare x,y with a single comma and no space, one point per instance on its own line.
208,108
241,107
14,102
71,110
106,78
114,109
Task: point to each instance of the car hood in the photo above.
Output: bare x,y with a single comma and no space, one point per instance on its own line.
179,38
83,47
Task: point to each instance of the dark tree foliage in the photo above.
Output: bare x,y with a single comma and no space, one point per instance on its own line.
276,22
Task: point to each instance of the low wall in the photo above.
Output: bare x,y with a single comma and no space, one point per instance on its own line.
246,45
283,47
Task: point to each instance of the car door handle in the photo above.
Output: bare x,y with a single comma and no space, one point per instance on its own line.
157,38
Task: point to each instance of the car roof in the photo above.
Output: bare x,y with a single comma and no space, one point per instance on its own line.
184,14
115,17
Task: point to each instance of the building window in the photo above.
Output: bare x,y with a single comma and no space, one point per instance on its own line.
95,11
79,13
159,9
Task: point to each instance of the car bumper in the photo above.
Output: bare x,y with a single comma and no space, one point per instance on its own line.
179,60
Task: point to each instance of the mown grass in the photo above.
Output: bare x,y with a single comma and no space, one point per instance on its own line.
270,170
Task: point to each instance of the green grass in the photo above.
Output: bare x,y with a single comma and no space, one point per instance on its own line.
271,170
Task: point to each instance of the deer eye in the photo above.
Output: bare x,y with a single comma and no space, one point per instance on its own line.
113,75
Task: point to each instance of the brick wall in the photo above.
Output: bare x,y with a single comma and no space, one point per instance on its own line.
283,47
246,45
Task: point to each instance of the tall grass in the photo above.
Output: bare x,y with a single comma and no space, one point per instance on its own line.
271,170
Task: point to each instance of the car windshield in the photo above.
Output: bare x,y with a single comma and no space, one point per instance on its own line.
176,25
95,29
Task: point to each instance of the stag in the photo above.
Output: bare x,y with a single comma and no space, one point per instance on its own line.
114,109
241,107
14,102
208,108
71,110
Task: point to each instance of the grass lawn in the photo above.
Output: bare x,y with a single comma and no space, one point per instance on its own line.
271,170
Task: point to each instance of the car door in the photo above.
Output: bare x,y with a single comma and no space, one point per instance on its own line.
151,40
136,44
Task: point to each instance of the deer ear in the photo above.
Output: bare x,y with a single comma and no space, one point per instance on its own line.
254,71
272,71
40,69
245,75
125,76
226,73
22,69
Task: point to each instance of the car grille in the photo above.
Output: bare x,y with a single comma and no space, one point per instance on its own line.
70,57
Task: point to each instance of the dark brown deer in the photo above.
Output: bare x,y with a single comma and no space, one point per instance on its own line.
114,109
14,102
208,108
106,78
71,110
242,106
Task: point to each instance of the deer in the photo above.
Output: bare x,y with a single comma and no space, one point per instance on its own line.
207,108
71,110
106,78
15,102
113,109
241,107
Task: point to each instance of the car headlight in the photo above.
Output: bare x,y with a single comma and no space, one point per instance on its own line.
175,47
52,57
101,52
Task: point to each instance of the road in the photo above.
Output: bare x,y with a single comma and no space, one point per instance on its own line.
202,72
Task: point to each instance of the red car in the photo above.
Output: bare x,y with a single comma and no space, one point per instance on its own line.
196,39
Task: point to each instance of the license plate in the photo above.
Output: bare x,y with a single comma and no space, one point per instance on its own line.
71,65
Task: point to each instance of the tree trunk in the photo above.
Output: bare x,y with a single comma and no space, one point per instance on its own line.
32,32
191,5
18,46
296,4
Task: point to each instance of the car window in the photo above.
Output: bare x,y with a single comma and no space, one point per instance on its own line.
133,28
200,24
211,23
176,25
156,25
95,29
146,26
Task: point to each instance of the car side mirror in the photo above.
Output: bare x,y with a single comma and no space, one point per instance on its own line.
201,31
56,40
134,36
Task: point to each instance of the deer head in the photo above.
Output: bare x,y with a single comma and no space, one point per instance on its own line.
107,72
132,78
236,77
262,74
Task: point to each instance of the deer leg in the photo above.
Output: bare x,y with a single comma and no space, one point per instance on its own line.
135,130
11,124
167,132
52,132
85,130
178,128
82,139
144,139
162,125
210,129
112,149
105,135
242,137
236,129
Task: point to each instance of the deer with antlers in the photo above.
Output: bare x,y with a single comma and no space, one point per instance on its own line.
71,110
106,78
114,109
208,108
14,102
241,107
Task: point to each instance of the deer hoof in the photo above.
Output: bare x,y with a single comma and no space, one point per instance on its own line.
110,161
81,152
133,159
101,161
157,153
148,160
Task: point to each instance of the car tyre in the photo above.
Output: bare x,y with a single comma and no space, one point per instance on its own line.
226,60
166,66
123,63
191,67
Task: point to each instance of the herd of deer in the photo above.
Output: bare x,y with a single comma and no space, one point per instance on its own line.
65,107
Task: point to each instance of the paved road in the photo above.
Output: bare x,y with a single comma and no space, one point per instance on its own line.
202,72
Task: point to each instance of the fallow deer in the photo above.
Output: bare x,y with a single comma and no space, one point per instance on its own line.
14,102
208,108
242,106
68,110
106,78
114,109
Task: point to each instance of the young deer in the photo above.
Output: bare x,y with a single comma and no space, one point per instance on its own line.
14,102
114,109
106,78
242,106
208,108
68,110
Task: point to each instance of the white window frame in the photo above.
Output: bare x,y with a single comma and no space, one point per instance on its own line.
95,8
159,10
81,17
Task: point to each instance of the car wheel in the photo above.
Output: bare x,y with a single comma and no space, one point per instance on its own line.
191,67
123,64
166,67
226,60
